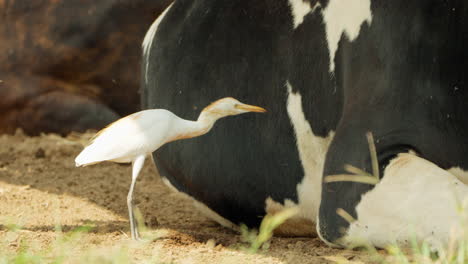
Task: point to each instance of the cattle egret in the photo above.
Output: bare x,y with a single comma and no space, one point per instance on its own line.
132,138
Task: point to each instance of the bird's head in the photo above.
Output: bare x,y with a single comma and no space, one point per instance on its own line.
230,106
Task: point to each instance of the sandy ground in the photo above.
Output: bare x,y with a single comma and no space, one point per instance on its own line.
40,188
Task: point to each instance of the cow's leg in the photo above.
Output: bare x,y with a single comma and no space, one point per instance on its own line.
41,104
416,199
348,148
414,196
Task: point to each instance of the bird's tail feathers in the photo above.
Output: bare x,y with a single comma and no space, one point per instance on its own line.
88,157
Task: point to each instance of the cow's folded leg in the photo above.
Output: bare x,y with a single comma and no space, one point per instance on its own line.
349,147
414,200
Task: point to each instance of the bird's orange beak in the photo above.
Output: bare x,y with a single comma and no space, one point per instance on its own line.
251,108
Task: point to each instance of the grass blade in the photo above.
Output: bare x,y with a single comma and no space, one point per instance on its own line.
351,178
373,154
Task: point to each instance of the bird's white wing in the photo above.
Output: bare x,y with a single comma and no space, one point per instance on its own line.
137,134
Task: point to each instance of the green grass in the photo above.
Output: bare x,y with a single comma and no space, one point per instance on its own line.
63,249
454,253
260,239
67,247
70,247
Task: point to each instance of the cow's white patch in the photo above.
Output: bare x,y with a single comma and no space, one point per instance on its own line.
205,210
344,16
299,9
312,150
149,39
415,198
462,175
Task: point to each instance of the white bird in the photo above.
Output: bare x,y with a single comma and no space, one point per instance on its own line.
132,138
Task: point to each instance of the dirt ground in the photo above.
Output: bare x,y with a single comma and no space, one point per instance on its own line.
40,188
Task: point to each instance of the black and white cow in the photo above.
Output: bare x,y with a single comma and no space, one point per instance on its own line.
328,72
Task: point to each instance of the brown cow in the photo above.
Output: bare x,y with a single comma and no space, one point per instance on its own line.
70,65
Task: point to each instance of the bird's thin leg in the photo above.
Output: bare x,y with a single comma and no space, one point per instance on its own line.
137,166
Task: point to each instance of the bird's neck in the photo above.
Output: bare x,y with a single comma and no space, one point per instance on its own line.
207,119
190,129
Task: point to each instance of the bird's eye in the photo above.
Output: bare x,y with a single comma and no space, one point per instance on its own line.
236,105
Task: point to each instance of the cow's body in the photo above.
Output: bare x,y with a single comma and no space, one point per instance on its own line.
70,65
328,72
